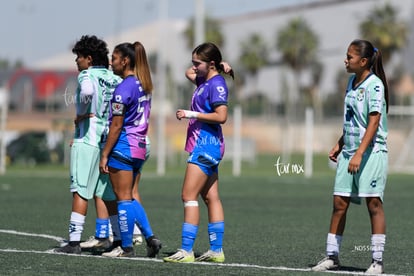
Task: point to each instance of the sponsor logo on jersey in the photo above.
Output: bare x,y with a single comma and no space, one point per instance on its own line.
222,92
361,94
118,98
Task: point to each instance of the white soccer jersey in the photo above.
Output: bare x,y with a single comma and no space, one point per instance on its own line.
360,101
94,92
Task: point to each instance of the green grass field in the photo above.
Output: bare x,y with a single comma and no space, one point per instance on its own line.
275,225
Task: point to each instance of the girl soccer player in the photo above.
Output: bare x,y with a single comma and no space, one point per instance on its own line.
361,152
205,143
125,150
95,87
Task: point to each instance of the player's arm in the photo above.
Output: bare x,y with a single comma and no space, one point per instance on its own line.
373,123
191,75
113,135
86,94
80,118
218,116
333,154
115,129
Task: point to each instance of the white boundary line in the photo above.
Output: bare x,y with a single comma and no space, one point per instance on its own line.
60,239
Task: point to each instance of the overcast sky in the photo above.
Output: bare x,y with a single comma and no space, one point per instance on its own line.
33,30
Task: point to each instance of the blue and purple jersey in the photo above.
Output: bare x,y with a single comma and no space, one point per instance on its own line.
201,136
131,101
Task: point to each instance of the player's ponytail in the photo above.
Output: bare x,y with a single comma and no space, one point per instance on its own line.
142,68
378,70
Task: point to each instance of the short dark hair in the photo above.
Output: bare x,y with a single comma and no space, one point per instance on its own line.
94,47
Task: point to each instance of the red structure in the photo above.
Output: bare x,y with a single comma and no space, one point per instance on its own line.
36,90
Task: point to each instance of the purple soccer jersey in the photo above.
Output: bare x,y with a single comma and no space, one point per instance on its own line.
130,100
201,136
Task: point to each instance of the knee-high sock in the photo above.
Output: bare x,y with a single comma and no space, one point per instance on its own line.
377,246
115,227
333,244
188,236
216,233
126,220
142,220
77,221
102,228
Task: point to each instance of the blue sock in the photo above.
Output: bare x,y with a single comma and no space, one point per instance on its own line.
188,236
142,219
102,228
216,233
126,219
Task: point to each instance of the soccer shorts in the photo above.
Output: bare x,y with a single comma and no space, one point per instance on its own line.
368,182
124,162
84,173
205,162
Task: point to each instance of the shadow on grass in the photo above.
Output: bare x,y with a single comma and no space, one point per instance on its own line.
344,268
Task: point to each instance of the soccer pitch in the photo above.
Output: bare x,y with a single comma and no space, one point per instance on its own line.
275,224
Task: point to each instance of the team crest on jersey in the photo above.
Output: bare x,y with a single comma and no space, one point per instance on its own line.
117,109
361,93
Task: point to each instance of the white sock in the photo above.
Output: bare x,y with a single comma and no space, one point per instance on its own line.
333,243
77,221
115,227
136,230
377,246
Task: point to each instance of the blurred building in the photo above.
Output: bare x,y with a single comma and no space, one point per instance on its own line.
336,22
41,90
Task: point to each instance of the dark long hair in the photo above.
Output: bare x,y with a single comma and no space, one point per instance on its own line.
367,50
210,52
138,62
94,47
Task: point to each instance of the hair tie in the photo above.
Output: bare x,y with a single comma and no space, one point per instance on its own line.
375,50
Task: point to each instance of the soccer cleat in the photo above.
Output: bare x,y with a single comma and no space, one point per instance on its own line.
137,239
95,243
181,256
119,252
376,267
69,249
327,263
211,256
153,246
